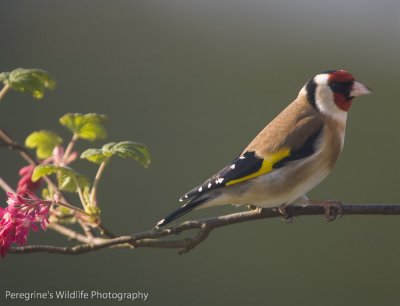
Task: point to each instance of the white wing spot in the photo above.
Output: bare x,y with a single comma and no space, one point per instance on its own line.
180,200
209,185
200,189
220,180
232,166
186,196
160,222
242,157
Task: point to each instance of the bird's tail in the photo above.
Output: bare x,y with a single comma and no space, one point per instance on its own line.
185,208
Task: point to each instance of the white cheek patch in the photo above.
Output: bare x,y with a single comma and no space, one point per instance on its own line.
324,99
321,79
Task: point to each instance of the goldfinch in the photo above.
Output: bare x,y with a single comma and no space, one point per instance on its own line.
290,156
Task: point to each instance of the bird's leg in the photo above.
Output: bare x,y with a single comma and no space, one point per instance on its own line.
330,214
285,215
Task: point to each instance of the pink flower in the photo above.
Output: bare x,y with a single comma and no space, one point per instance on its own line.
25,181
59,158
19,217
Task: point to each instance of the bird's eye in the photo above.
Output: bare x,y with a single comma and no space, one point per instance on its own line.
340,87
335,86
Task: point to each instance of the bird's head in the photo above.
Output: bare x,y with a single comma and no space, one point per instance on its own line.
332,92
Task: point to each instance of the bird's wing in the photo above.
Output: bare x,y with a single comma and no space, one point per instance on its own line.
245,166
270,150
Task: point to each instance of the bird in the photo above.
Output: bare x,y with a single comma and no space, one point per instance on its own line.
293,154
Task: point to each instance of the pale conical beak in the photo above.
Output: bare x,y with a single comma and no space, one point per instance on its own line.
359,89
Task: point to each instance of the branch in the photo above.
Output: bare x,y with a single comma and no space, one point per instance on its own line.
13,145
156,238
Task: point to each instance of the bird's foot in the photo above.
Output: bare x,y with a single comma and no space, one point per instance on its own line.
333,209
285,215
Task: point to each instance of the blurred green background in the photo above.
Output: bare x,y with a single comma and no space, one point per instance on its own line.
195,81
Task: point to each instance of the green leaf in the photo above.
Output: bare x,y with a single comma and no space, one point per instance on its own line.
133,150
125,149
86,126
4,77
68,183
44,142
94,155
33,81
43,170
67,177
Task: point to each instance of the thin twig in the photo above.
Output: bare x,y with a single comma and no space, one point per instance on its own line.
13,145
154,238
105,232
74,235
93,194
88,230
5,186
69,233
4,90
69,148
72,207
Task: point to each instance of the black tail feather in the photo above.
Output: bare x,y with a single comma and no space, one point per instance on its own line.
189,206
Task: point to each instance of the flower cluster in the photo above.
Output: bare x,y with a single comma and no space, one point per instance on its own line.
25,208
19,217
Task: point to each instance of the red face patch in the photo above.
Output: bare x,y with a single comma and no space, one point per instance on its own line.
341,101
341,83
340,76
